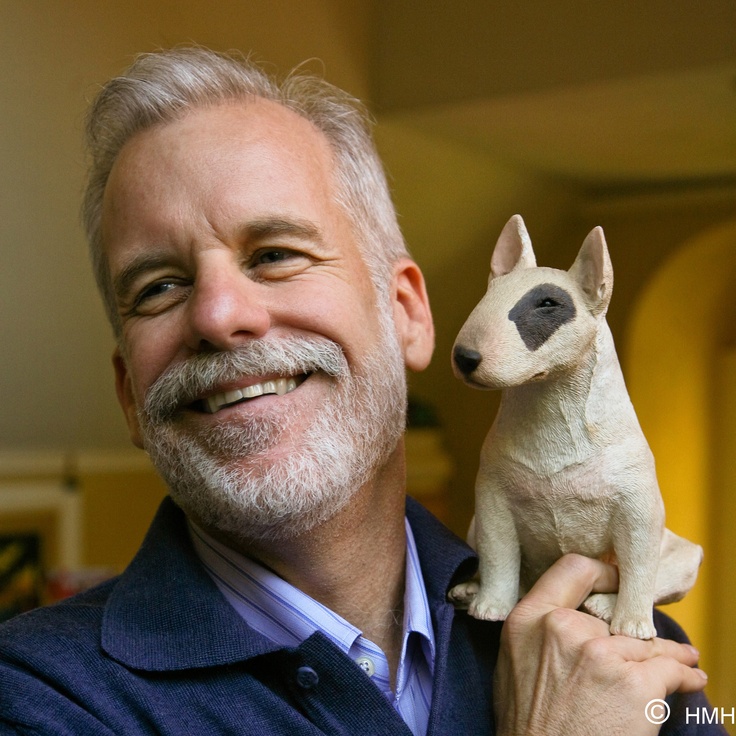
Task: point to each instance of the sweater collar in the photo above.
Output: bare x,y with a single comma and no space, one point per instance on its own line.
165,613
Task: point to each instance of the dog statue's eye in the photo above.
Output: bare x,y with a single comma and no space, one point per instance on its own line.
547,302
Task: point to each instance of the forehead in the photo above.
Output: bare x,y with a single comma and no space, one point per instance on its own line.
255,144
248,121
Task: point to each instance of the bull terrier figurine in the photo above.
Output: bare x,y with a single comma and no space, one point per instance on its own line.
565,466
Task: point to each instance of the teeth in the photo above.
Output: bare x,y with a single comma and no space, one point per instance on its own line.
280,386
254,390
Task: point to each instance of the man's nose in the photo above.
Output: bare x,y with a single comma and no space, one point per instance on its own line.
225,309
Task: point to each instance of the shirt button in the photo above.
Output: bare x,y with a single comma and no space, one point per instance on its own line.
306,678
366,664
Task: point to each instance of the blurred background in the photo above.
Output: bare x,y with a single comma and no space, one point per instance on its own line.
572,113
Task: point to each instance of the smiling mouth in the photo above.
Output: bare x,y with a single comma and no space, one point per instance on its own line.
278,386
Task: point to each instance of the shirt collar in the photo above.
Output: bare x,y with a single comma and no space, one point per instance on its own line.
160,611
288,616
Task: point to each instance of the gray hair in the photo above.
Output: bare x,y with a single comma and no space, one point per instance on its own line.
161,87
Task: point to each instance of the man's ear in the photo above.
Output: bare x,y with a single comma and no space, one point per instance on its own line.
125,398
412,314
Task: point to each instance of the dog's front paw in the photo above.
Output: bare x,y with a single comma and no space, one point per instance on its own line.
488,608
462,595
640,627
600,605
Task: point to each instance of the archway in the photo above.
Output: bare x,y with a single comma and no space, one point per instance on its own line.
681,372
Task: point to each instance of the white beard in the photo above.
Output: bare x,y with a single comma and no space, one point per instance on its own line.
226,479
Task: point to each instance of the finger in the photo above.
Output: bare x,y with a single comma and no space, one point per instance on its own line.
674,676
571,579
640,650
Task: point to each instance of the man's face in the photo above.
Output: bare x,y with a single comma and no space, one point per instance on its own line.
223,237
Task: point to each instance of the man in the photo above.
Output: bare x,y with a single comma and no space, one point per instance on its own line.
265,309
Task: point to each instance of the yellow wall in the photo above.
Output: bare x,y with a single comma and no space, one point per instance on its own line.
119,494
720,617
675,364
118,508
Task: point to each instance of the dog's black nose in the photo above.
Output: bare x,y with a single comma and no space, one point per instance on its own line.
466,360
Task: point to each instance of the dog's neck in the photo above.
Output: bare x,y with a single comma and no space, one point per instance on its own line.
566,418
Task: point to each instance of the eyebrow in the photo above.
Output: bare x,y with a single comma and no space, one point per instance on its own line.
123,281
254,231
271,226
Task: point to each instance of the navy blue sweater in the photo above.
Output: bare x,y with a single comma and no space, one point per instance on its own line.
158,650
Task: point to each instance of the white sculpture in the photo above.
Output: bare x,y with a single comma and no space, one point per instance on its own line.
565,466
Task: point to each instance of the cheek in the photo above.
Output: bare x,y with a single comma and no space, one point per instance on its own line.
342,313
150,352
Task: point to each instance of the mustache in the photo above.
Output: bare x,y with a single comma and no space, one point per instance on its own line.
185,382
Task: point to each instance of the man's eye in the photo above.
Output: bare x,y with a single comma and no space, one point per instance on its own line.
275,255
278,263
157,297
155,290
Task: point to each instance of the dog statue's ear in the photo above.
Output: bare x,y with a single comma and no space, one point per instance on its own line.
593,271
513,249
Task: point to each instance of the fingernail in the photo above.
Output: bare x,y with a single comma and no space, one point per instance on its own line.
695,652
701,673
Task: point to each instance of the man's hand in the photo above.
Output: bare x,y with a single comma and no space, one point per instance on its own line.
561,672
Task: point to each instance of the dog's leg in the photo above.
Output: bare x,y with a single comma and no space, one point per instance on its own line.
601,605
462,595
679,561
498,551
637,545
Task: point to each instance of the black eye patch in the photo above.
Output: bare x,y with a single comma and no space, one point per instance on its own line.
540,313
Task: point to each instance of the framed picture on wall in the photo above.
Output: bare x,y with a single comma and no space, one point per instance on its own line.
40,534
21,573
